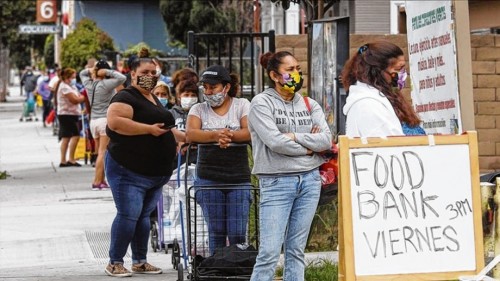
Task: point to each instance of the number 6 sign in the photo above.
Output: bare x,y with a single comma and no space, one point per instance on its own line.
46,11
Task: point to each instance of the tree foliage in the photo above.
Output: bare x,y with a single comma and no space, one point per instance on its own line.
134,50
86,41
204,16
48,50
310,7
12,14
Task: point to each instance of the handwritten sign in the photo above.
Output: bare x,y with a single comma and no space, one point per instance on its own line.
433,65
409,208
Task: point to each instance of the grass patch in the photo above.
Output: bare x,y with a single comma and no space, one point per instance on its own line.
323,236
319,270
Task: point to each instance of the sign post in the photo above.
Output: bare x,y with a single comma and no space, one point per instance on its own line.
410,208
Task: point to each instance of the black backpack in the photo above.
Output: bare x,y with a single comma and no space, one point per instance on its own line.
234,260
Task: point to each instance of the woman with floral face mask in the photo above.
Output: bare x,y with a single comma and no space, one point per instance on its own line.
138,163
375,106
287,138
219,126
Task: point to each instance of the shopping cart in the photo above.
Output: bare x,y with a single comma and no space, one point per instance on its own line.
169,225
29,109
218,264
199,260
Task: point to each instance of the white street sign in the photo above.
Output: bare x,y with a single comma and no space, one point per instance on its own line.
38,29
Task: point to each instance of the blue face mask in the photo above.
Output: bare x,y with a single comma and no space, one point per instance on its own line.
163,101
73,82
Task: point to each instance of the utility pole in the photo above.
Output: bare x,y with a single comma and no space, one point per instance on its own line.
57,37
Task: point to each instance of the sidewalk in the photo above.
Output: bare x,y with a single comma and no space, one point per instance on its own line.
52,225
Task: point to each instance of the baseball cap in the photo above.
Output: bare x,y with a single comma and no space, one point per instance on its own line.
215,74
102,64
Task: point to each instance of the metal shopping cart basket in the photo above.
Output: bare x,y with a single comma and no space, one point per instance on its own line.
232,262
203,263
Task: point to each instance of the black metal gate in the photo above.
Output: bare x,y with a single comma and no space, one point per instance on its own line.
238,52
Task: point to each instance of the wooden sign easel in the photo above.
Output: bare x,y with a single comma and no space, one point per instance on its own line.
409,208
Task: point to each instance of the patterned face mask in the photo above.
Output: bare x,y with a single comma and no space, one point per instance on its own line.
215,100
293,81
398,79
147,82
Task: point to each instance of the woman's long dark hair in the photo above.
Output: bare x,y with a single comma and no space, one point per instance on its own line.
368,64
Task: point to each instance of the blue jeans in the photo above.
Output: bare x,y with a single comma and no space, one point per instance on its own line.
135,198
225,211
287,208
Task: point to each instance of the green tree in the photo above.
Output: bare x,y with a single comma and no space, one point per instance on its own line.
48,50
86,41
134,50
12,14
210,16
314,9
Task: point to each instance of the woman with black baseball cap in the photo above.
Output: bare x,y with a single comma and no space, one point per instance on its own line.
219,125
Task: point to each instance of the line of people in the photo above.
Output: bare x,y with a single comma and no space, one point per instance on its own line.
146,122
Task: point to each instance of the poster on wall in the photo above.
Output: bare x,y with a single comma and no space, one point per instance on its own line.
433,65
323,69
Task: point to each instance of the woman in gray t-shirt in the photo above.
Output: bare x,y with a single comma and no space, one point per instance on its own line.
100,83
219,126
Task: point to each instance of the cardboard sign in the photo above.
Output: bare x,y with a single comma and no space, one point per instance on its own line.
410,208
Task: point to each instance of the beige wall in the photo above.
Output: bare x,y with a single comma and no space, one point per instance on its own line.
484,14
485,76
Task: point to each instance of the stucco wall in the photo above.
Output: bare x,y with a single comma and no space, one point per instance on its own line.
485,76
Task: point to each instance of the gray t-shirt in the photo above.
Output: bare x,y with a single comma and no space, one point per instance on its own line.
224,165
104,90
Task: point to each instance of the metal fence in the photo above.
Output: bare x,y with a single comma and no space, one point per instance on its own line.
238,52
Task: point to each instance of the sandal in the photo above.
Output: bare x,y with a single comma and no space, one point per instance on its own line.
76,164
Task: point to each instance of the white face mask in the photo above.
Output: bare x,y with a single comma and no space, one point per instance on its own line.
187,102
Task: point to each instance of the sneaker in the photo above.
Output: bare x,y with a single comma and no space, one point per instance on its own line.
96,187
117,270
146,268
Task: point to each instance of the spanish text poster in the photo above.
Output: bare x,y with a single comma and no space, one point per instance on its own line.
433,65
412,210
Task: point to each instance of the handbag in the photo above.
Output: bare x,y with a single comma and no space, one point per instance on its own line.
328,171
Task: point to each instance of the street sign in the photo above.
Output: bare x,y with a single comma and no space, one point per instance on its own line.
46,11
38,29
